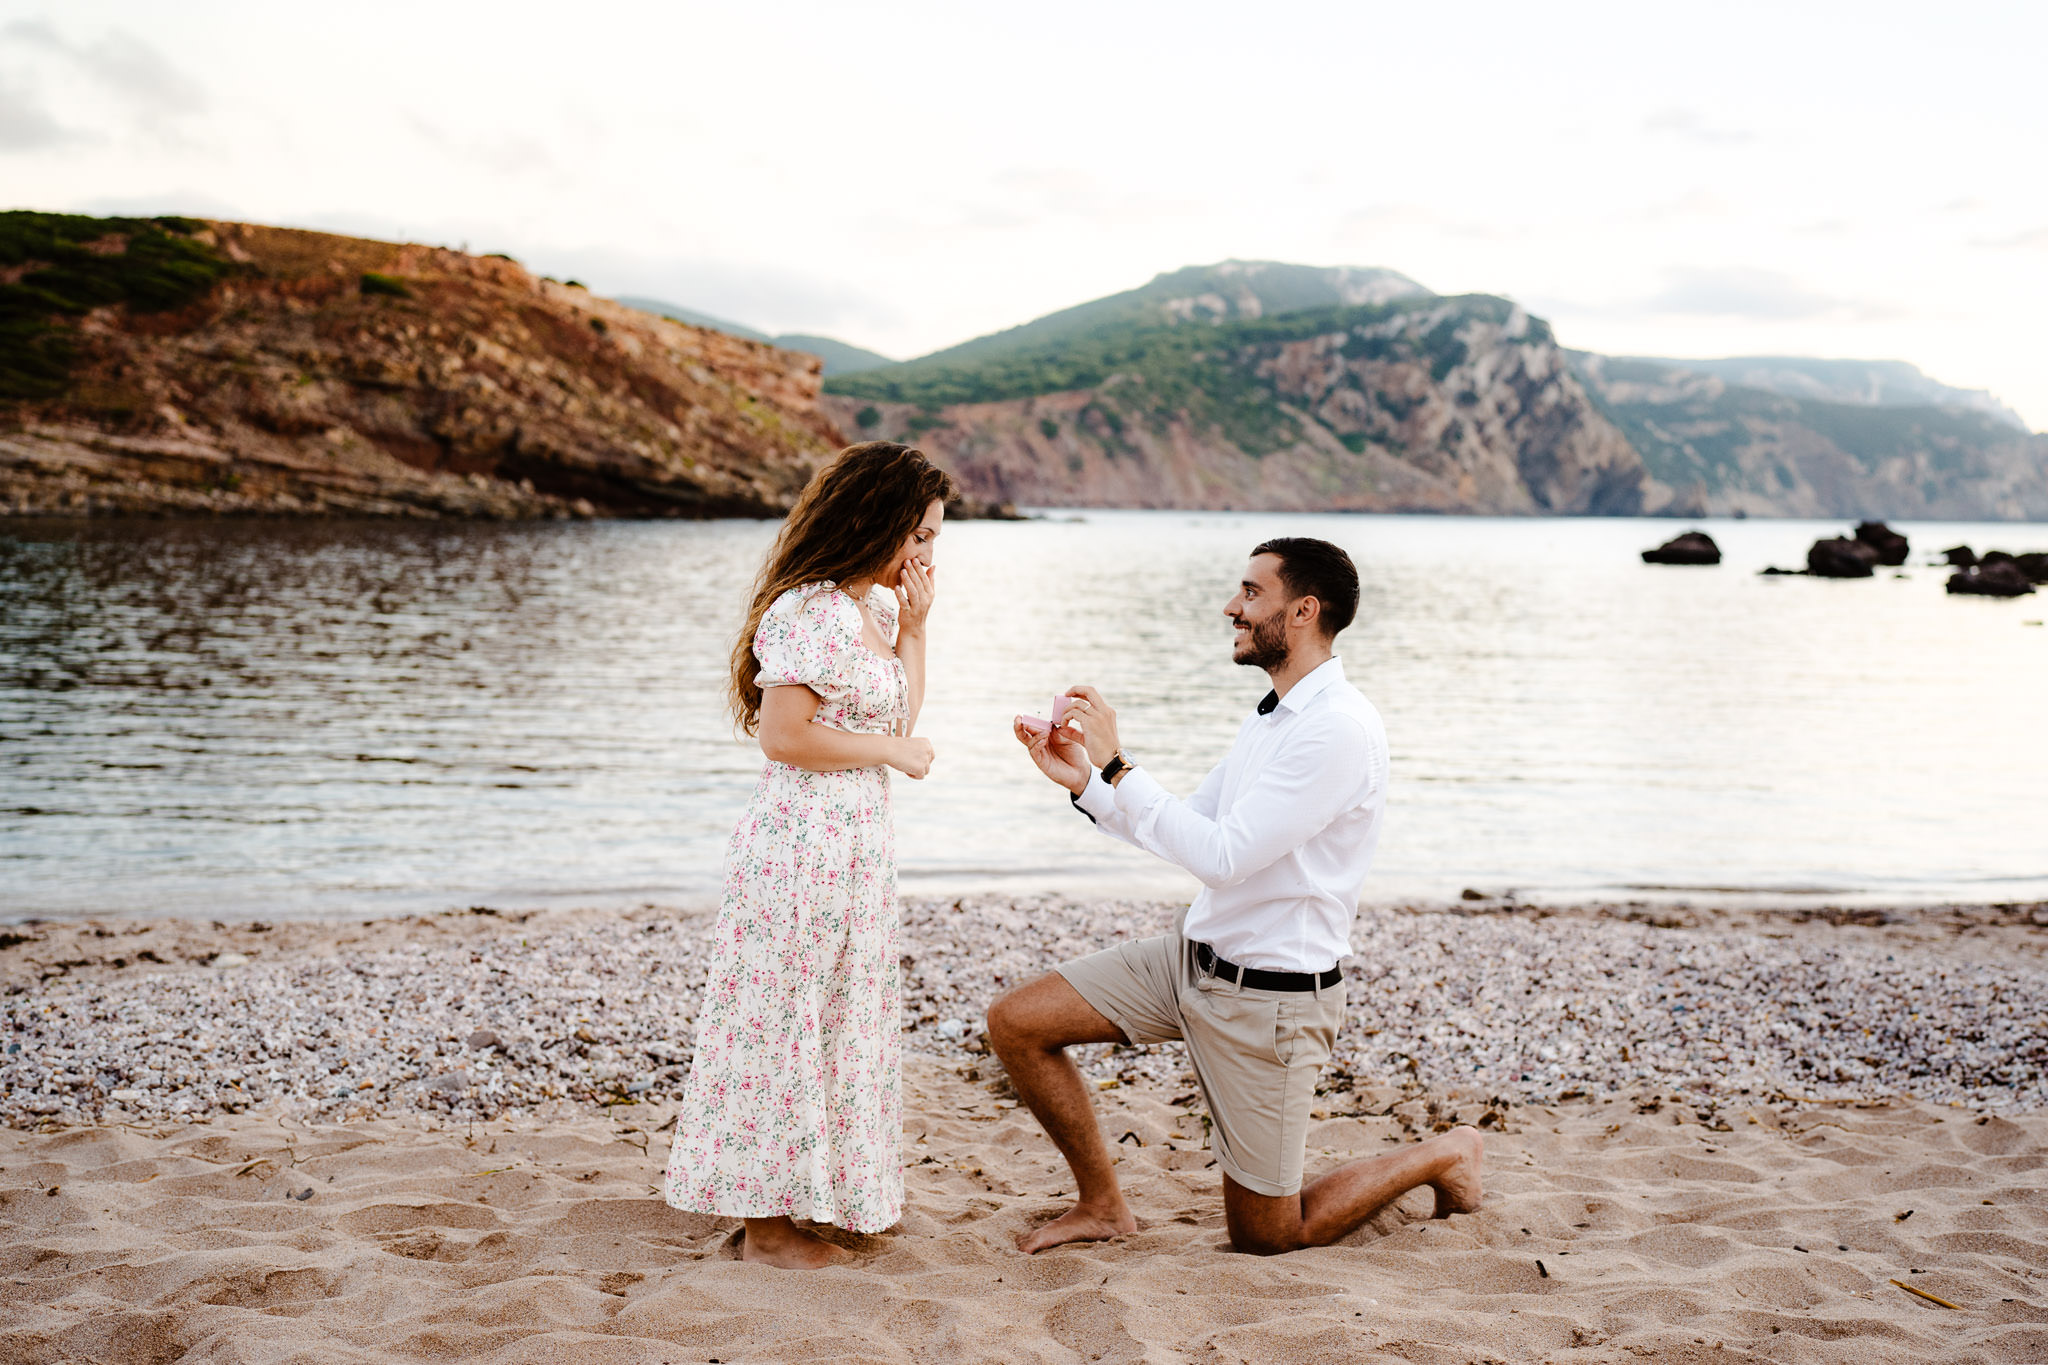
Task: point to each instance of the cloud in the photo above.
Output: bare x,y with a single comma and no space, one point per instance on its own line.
1740,291
2034,240
24,125
124,65
1034,193
1693,205
1688,124
1367,224
767,298
188,203
507,154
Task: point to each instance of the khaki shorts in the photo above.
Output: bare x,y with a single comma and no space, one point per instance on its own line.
1256,1054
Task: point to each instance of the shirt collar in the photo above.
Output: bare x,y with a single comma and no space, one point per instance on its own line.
1319,680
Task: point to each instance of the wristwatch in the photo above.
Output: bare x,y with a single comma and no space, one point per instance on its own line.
1117,763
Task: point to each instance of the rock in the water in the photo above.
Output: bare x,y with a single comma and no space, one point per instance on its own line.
1694,547
2032,566
1891,547
1991,580
1841,558
1962,556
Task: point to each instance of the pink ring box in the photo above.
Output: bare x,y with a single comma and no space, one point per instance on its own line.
1038,725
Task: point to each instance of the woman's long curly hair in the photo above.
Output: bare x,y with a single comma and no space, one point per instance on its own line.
848,525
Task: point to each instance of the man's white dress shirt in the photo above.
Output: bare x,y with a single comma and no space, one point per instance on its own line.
1281,833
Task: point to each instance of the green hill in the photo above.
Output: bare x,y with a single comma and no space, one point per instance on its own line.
1227,291
1416,403
840,357
1193,371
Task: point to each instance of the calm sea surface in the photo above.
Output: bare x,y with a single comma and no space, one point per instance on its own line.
274,719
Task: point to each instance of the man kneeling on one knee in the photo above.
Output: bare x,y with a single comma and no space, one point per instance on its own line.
1280,834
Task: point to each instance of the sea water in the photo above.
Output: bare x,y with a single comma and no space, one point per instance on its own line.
272,719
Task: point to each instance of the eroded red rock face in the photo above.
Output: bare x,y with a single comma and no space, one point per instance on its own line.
464,387
1494,423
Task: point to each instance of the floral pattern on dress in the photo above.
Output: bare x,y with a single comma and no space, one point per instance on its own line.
794,1101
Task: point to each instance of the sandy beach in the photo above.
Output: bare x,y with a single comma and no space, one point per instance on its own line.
439,1138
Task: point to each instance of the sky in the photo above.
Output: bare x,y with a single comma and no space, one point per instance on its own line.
1789,178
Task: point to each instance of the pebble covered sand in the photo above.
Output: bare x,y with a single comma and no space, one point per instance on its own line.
490,1014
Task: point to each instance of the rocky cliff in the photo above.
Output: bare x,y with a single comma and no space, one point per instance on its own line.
1407,404
1856,383
179,366
1734,448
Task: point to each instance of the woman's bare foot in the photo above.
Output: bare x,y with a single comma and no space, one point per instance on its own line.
781,1243
1457,1189
1080,1224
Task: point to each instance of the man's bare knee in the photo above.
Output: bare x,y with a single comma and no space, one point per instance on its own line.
1006,1023
1262,1225
1264,1244
1046,1015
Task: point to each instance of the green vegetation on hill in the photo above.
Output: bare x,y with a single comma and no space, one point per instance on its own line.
1193,293
840,357
1855,383
1711,439
1206,371
70,264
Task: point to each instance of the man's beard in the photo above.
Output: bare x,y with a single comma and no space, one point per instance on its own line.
1266,646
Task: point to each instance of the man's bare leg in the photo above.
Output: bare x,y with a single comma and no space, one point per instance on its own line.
780,1242
1030,1029
1335,1205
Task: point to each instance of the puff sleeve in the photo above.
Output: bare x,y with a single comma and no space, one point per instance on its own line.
804,640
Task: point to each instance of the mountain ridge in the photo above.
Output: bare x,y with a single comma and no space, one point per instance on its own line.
170,365
1418,403
1860,383
1733,449
1802,436
839,357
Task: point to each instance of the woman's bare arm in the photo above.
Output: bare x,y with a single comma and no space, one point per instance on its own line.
919,586
910,649
789,735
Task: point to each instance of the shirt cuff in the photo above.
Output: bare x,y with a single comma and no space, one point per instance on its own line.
1134,793
1097,800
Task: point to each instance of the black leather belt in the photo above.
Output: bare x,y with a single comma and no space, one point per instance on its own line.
1260,980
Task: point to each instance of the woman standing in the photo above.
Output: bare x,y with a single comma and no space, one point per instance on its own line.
793,1107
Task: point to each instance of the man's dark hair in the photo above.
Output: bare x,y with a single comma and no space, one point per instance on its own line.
1318,569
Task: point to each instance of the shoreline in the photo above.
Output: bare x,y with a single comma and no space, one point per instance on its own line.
1686,906
489,1012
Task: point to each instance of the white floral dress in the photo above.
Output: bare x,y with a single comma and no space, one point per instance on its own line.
794,1102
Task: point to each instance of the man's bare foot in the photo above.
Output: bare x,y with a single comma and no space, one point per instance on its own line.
1079,1224
781,1243
1457,1189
